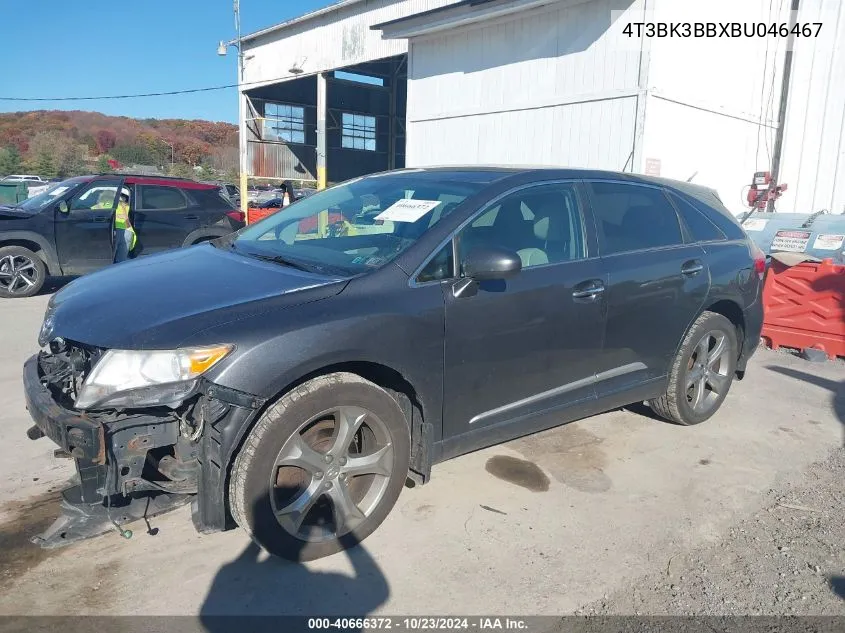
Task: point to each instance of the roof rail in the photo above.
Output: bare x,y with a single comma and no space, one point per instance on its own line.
115,173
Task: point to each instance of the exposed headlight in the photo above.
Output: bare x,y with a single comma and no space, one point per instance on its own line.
126,378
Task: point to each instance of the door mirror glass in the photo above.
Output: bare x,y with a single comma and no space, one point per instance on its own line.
62,207
491,262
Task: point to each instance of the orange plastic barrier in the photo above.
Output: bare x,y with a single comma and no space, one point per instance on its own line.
255,214
804,306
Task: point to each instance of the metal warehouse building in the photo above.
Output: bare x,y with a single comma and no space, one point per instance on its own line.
368,85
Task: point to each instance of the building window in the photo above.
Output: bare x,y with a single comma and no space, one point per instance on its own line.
359,132
284,123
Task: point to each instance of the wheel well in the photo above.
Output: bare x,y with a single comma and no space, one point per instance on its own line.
35,247
381,375
733,313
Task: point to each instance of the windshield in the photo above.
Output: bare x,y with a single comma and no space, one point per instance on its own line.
357,226
37,203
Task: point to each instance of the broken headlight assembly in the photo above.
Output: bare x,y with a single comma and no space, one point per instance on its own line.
124,379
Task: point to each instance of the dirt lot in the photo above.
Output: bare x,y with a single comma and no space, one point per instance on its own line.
615,514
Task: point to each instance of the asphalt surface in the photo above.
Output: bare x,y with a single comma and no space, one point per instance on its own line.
571,520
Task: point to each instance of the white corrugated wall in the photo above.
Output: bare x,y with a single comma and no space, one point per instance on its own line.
813,162
713,103
550,86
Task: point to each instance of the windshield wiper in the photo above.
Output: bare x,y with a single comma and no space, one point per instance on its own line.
284,261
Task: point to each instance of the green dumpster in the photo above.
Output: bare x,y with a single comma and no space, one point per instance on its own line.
13,192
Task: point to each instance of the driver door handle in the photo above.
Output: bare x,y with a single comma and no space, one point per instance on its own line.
692,267
588,290
101,218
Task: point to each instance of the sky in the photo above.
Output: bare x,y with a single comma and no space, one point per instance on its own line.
68,48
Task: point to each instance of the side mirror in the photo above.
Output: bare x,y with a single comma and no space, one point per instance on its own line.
63,208
491,263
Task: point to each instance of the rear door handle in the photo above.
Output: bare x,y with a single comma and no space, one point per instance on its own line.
588,290
692,267
192,217
101,218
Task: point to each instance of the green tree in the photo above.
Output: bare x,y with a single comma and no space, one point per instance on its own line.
233,176
134,155
181,170
44,164
10,160
103,166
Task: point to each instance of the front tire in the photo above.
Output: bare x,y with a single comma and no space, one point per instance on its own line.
701,373
322,468
22,272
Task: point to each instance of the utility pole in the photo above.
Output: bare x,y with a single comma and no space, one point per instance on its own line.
170,145
784,98
242,113
243,161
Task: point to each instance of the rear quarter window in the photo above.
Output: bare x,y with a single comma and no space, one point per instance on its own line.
701,228
210,199
717,214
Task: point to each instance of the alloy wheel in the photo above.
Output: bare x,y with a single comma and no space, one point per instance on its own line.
707,377
331,474
18,273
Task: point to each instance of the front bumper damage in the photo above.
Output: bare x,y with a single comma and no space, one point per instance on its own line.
137,464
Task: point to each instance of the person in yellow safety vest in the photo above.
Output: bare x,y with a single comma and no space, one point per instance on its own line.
105,200
124,233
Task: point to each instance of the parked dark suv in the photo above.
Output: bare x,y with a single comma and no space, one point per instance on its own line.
67,230
290,380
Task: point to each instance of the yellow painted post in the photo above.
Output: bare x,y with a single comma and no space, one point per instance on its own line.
322,105
244,196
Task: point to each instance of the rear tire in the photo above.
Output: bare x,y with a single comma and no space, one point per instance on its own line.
22,272
303,493
702,372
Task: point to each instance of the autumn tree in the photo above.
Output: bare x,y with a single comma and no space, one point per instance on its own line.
54,154
191,151
105,140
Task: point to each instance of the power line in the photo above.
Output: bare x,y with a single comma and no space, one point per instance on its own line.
149,94
131,96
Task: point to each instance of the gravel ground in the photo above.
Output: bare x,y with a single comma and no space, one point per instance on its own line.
787,559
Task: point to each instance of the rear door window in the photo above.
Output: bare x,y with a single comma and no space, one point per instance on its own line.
159,198
633,217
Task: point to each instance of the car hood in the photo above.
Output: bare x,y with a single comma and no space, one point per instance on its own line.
157,302
13,213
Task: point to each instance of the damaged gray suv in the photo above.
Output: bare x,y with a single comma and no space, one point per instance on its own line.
291,377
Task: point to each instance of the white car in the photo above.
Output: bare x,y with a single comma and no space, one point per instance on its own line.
23,177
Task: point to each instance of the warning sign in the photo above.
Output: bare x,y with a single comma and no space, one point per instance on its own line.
791,241
652,166
828,242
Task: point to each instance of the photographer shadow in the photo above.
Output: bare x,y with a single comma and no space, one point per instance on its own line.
256,585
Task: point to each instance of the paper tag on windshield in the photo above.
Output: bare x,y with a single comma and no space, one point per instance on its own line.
59,191
407,210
